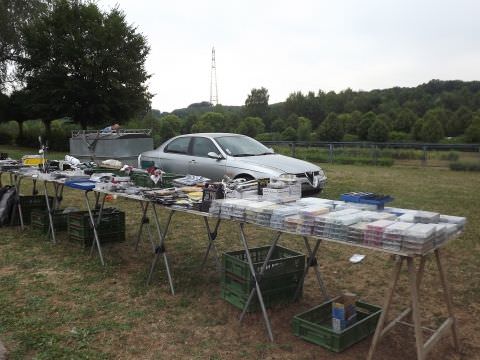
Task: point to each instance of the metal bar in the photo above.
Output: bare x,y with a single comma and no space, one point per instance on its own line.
49,210
394,322
415,308
95,234
257,285
18,180
388,300
160,248
442,330
316,267
262,271
448,298
99,219
144,221
211,243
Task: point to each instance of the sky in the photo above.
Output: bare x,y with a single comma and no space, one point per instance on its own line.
301,45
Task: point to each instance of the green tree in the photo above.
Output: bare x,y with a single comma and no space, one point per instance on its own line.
432,130
472,133
278,125
331,129
439,114
86,64
256,104
209,122
251,126
367,120
304,131
289,134
459,121
14,15
378,132
404,120
417,129
167,127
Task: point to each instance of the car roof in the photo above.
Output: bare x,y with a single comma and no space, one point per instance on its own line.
212,135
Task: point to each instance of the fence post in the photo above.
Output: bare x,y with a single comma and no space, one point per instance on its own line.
424,157
293,149
330,153
375,155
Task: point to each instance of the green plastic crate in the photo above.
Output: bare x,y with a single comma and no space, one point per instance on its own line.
271,298
242,286
143,179
315,326
110,229
283,261
111,216
40,221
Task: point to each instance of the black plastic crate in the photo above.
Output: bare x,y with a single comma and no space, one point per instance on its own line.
283,261
40,220
28,204
315,326
284,295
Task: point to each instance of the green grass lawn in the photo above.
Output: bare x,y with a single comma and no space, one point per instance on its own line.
17,152
56,302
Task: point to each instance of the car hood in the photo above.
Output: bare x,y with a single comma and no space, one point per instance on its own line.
281,163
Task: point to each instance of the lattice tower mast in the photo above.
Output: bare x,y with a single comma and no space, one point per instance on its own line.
213,81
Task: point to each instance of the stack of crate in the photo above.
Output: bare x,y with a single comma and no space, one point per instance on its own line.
40,221
110,229
279,282
30,203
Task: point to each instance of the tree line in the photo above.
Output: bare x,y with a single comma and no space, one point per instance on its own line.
438,111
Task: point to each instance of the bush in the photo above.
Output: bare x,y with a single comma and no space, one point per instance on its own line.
31,130
350,137
399,136
465,166
5,138
264,137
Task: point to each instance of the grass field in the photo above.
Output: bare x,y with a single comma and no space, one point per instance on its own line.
56,302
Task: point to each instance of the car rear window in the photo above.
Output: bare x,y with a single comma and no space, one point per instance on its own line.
178,146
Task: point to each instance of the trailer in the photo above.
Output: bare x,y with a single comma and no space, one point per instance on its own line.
124,145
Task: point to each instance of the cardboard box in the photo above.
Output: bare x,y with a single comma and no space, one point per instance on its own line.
344,312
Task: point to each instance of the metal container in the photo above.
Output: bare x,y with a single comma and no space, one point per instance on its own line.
124,145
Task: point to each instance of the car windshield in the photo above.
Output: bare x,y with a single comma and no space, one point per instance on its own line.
242,146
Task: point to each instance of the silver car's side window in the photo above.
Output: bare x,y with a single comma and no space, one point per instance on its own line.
202,146
178,146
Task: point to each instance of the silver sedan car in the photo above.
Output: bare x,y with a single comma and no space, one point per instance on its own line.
214,155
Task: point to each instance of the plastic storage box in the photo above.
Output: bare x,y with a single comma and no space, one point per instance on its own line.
315,326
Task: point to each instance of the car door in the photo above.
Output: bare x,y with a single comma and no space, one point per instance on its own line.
176,156
201,164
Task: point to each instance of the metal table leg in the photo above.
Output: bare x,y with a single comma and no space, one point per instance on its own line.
261,272
94,227
415,278
16,181
257,284
211,242
160,249
312,262
50,210
144,221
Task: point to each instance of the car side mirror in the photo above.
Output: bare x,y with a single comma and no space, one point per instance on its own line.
271,150
214,155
